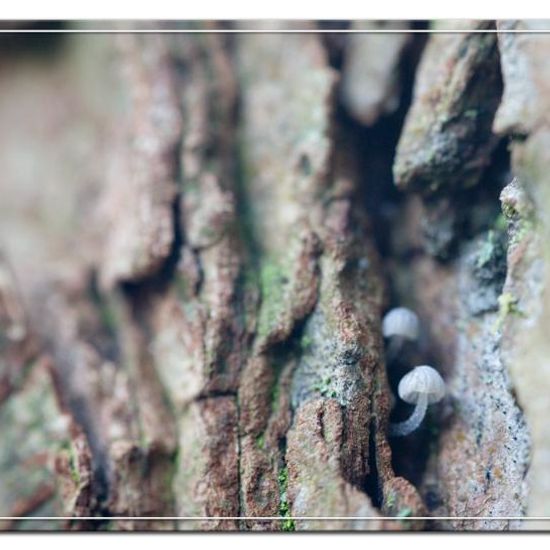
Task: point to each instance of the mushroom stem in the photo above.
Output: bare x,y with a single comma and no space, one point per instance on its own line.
395,346
409,425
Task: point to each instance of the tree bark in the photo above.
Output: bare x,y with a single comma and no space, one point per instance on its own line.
200,236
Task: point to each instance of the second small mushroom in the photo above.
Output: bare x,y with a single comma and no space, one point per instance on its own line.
399,325
420,387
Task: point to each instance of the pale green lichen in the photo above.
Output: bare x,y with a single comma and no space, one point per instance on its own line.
523,230
507,305
488,262
32,411
518,211
488,249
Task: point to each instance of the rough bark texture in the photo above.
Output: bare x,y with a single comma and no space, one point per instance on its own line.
371,79
200,234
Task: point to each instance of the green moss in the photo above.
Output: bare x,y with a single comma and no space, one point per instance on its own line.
275,393
289,525
283,478
404,512
108,315
284,509
390,500
324,387
272,285
260,441
306,342
73,465
500,223
508,210
67,449
182,287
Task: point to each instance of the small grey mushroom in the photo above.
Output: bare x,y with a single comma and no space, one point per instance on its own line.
420,387
401,322
399,325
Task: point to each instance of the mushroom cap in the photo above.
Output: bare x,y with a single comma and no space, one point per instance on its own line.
401,321
422,380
